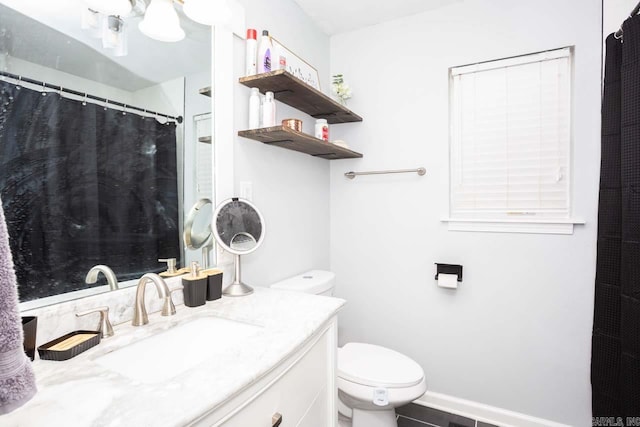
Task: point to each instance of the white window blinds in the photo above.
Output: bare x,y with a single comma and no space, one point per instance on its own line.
510,137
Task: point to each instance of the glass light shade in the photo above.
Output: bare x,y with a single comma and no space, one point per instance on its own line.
111,7
114,36
207,12
161,22
92,22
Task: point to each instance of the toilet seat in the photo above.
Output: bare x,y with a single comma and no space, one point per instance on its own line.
375,366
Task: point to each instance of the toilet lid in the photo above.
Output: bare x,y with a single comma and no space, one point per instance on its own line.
372,365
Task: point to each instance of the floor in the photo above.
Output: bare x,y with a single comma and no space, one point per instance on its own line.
413,415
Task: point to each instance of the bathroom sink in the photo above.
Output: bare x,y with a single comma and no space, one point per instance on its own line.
172,352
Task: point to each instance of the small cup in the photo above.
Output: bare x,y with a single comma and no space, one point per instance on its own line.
29,329
295,124
214,284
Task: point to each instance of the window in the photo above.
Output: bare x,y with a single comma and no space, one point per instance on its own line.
511,144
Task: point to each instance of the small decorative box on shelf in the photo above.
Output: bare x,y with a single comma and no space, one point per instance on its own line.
296,93
285,137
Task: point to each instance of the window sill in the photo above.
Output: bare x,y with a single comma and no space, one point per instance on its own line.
533,226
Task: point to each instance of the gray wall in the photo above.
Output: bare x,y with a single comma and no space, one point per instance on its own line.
516,334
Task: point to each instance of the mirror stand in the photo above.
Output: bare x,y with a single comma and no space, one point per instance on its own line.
206,250
237,288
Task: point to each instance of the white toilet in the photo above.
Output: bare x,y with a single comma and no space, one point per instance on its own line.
372,380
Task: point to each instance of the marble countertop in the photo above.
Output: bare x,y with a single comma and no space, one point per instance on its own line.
81,392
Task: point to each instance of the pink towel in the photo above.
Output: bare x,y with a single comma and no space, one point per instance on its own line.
17,382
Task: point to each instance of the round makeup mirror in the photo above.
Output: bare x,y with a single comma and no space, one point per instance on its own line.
239,229
197,229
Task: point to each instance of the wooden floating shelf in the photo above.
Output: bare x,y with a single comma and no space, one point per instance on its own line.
296,93
284,137
206,91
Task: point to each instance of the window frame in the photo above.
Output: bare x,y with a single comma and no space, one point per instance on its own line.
519,223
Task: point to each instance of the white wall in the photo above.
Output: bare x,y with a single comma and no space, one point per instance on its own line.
517,333
69,81
291,189
614,14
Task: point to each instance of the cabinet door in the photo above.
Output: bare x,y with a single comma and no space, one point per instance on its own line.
294,395
317,414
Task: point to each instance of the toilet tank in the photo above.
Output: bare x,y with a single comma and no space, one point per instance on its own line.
318,282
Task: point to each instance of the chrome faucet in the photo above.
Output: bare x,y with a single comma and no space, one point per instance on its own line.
140,312
92,276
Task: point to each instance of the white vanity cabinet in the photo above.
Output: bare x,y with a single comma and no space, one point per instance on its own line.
286,365
302,390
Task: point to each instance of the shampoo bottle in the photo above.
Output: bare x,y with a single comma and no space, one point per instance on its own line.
265,51
251,59
195,287
268,111
254,108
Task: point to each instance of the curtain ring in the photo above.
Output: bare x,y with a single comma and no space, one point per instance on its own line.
106,104
43,91
18,85
84,101
60,92
124,111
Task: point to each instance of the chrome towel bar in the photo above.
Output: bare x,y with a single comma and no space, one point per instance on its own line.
419,171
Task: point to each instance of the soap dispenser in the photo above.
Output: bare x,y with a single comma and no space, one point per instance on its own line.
172,271
195,287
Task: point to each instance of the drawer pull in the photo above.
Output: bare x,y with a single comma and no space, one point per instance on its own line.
276,420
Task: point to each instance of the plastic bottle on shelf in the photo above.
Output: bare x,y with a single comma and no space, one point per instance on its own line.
254,108
251,59
268,110
265,52
322,129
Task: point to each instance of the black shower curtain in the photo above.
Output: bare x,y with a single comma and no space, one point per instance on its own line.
615,362
83,185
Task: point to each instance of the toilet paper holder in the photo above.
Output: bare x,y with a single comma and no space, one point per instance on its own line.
449,269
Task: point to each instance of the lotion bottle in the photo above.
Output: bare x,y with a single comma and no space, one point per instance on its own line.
251,59
268,111
254,108
265,52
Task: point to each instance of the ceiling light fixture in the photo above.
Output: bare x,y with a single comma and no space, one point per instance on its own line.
111,7
92,22
161,22
207,12
114,35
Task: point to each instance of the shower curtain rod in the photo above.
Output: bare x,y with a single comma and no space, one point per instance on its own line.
634,12
87,96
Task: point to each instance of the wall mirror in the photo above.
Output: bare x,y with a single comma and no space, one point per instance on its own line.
239,229
105,143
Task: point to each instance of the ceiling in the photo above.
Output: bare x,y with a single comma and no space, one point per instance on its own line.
48,33
339,16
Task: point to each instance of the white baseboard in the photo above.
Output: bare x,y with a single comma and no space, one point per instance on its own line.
481,412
